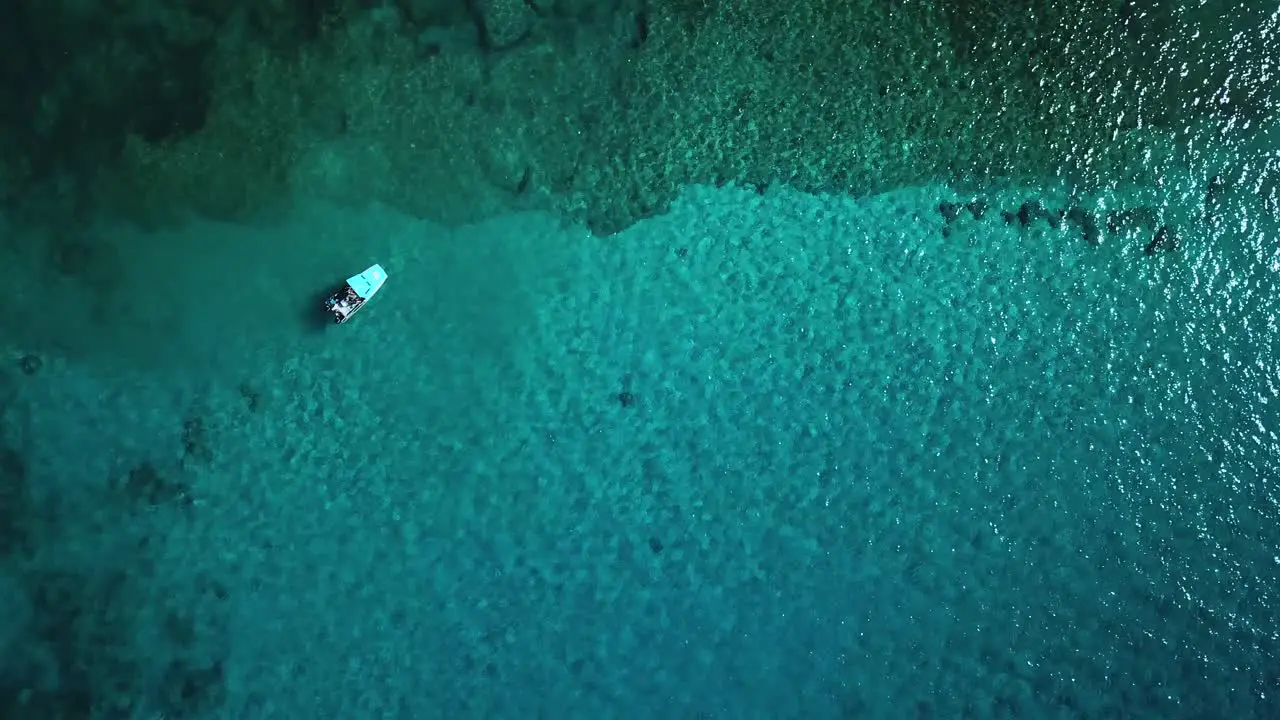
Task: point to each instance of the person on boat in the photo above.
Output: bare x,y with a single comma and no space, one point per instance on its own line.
344,302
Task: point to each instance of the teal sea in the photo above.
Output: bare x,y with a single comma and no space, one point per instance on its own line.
765,456
979,449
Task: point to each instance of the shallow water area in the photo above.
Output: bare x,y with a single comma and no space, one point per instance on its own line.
766,455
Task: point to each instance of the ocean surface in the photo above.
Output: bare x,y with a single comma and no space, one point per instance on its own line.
768,455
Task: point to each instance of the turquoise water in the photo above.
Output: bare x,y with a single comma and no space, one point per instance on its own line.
765,456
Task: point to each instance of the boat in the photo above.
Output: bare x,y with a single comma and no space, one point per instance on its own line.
344,302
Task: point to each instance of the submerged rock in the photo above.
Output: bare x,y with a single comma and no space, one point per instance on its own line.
1087,223
31,364
1165,240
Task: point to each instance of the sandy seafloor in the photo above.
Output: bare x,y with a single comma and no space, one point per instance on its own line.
862,470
